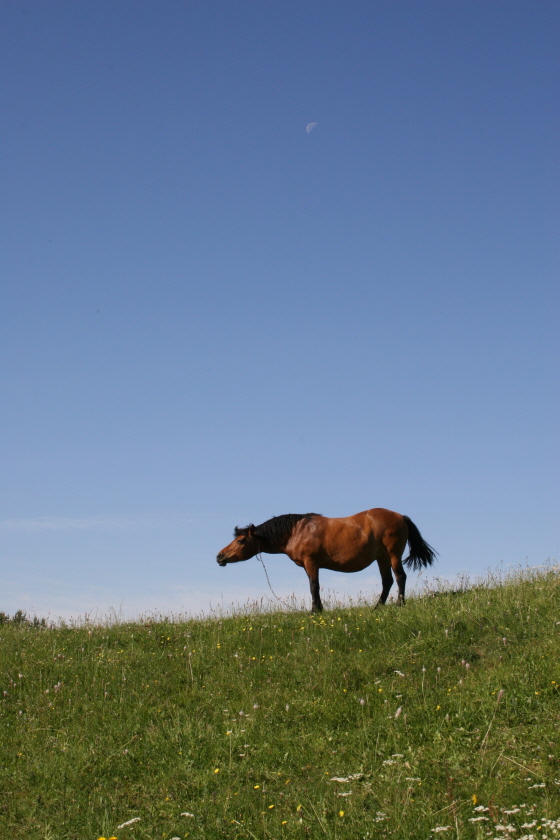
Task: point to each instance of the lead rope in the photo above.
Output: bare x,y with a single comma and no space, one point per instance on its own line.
259,557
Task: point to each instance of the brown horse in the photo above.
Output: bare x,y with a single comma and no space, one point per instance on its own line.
349,544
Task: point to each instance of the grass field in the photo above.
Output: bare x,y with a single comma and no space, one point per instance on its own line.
439,719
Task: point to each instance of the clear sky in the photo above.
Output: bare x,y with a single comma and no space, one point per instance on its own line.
210,316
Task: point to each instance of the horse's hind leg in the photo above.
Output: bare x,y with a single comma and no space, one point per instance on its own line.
400,575
386,580
394,543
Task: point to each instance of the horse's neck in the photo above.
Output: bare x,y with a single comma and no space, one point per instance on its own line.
273,549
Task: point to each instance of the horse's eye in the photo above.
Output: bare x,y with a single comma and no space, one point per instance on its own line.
242,540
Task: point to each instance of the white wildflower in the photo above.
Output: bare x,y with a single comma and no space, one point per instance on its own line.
128,822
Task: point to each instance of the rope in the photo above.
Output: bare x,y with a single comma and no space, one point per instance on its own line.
259,557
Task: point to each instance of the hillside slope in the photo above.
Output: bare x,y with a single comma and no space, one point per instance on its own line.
439,718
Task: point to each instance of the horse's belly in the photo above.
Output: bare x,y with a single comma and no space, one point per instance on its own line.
350,558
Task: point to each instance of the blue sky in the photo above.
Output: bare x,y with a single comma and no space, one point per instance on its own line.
211,316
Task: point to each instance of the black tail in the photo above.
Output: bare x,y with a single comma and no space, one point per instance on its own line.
421,554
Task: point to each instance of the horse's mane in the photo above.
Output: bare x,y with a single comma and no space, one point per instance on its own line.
276,529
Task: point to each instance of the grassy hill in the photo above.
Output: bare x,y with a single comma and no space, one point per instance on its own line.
441,718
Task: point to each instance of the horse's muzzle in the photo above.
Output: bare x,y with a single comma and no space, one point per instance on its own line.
221,560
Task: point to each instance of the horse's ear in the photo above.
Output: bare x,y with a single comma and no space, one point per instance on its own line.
251,531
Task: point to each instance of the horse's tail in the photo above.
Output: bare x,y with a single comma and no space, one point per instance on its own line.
421,554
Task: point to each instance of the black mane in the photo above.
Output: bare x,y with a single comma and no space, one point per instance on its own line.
275,530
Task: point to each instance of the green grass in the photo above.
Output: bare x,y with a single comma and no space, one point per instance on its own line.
243,722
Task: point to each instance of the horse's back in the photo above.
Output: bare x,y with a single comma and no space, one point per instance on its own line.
383,519
376,520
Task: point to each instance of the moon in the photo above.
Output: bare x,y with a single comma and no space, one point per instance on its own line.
309,127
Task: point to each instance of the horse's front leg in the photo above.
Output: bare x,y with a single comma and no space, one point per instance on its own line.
313,575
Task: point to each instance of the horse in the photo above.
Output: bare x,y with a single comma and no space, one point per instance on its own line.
346,544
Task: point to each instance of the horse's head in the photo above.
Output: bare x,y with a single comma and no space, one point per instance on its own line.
244,546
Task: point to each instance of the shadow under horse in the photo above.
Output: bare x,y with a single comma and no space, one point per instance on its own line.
346,544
